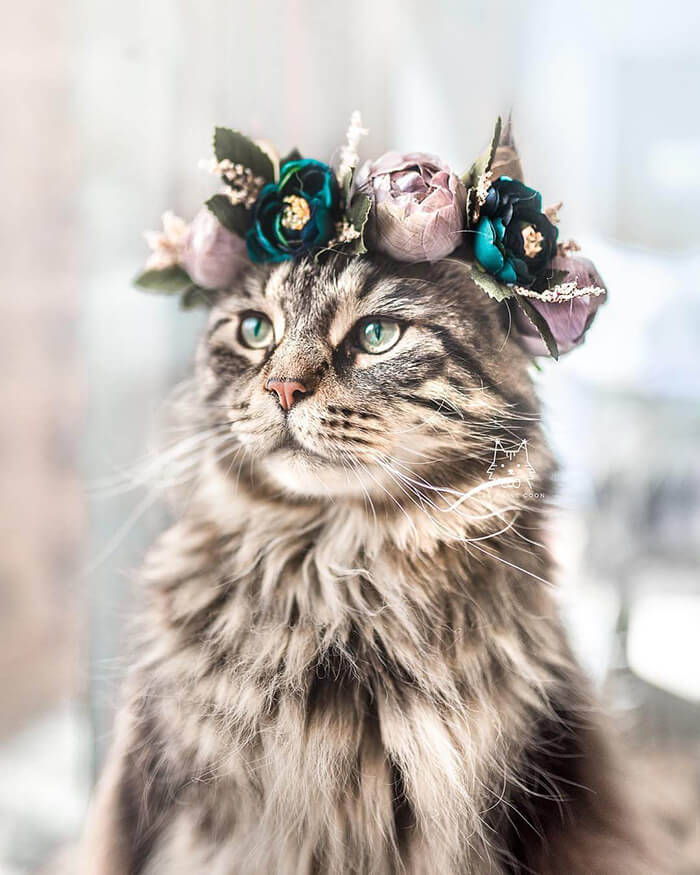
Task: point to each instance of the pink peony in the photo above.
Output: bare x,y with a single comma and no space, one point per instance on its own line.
212,255
568,320
418,206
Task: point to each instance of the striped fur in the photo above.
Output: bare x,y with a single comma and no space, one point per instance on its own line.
351,660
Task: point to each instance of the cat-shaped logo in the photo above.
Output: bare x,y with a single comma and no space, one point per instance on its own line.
511,462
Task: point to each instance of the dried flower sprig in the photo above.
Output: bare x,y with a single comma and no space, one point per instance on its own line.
552,212
167,245
349,154
243,186
344,233
559,293
483,184
567,248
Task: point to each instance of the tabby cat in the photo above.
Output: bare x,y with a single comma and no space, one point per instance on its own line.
351,659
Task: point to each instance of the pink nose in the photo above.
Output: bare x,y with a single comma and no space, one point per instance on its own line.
288,391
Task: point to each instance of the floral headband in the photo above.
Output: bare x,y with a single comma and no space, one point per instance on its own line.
410,207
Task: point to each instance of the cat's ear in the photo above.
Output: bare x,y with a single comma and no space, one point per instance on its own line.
506,159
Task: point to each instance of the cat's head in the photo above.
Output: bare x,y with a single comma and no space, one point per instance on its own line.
364,377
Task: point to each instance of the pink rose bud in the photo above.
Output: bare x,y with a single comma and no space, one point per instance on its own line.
568,320
418,206
212,255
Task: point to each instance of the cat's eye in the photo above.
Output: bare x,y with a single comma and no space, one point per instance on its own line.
378,335
255,331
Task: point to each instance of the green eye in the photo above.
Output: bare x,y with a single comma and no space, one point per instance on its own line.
255,331
378,335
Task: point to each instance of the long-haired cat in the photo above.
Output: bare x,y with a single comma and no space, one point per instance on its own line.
351,659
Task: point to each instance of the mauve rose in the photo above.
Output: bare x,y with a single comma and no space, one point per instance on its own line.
568,320
212,255
418,206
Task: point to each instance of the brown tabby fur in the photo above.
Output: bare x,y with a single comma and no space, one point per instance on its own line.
351,660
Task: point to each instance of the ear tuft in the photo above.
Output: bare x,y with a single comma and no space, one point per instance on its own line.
506,161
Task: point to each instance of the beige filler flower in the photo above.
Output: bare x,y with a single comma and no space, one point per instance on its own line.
168,244
552,212
243,186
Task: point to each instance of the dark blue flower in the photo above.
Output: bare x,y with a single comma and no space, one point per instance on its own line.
295,216
514,240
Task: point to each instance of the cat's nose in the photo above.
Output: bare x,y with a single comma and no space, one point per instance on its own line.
288,391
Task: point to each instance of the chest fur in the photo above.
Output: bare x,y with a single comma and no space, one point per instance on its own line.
350,704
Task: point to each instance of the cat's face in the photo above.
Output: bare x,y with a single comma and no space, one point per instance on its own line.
360,377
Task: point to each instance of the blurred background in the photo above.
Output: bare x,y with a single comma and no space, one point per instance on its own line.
107,110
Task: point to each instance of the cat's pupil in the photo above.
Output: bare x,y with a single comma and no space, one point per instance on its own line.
379,335
255,331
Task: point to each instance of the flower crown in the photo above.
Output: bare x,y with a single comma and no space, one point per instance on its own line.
411,207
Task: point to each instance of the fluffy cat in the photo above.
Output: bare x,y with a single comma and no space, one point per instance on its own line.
351,660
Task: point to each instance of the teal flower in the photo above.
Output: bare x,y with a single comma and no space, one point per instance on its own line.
295,216
514,240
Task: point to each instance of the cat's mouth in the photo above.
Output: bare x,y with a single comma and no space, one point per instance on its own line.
303,471
290,444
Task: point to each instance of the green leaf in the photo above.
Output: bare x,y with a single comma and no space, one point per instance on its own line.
485,160
549,280
540,324
169,280
357,215
556,278
235,217
241,150
471,208
294,155
195,296
489,284
174,281
346,185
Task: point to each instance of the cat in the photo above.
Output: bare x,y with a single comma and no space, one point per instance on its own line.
351,659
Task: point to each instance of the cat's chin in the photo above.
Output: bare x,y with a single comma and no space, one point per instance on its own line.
300,472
